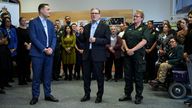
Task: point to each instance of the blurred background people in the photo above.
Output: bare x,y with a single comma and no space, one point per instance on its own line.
68,42
59,30
114,54
23,58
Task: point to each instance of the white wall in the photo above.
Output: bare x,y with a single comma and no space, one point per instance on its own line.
14,11
157,10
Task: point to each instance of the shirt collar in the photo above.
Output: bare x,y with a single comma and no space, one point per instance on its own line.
97,22
42,19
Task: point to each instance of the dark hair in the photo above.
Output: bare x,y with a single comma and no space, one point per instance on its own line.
4,21
176,40
96,9
167,21
65,32
168,25
42,6
21,19
81,26
57,20
186,20
151,21
4,14
73,24
190,12
67,16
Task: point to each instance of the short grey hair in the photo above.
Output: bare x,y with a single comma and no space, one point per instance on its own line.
96,9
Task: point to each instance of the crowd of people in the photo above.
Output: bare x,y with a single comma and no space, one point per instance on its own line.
141,52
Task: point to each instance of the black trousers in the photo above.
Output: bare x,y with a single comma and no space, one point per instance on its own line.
134,67
68,74
78,66
108,67
90,66
5,65
24,71
56,64
150,73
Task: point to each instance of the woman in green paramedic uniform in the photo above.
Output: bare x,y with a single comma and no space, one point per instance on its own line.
134,41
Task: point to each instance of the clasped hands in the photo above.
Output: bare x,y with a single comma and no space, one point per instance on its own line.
92,39
27,45
130,52
48,51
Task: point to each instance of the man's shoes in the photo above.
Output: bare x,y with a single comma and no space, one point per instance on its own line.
85,98
51,98
98,100
33,101
107,79
29,80
8,85
22,83
138,100
188,101
125,98
56,79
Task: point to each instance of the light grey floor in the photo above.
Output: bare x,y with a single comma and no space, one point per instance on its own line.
70,92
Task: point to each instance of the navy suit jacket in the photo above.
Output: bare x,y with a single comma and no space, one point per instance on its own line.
38,37
102,35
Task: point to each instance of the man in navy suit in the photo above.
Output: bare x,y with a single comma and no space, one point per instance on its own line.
43,39
95,38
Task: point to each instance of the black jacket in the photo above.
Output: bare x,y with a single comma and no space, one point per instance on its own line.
102,35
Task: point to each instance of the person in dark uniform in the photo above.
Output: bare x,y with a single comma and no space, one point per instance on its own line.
95,37
79,52
134,41
57,54
23,57
151,52
5,61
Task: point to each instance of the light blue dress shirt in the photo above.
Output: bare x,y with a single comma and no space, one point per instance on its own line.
93,29
44,23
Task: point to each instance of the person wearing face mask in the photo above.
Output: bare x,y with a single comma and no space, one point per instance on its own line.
114,54
134,40
188,52
95,37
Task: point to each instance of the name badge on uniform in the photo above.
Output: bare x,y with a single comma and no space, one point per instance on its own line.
140,28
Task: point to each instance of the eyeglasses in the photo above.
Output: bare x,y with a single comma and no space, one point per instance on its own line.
95,13
137,16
